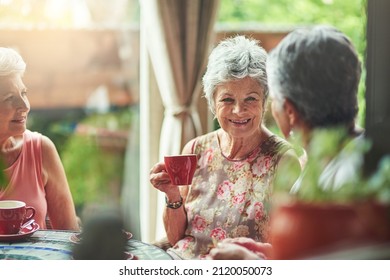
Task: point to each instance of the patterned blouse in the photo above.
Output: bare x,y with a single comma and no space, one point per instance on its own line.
228,198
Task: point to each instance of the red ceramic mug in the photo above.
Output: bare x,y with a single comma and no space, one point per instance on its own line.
13,214
181,168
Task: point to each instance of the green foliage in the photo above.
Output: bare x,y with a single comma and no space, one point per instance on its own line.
93,170
55,124
325,145
114,120
379,183
344,14
90,169
87,168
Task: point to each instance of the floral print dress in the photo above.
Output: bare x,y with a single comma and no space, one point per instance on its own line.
228,198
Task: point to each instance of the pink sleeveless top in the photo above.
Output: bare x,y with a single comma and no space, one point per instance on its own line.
25,176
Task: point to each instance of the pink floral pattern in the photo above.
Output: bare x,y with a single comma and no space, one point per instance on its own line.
199,223
228,198
224,189
218,234
256,211
186,243
239,198
262,166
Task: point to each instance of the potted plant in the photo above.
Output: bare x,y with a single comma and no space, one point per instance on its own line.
315,220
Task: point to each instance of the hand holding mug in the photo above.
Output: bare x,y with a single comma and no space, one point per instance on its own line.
159,177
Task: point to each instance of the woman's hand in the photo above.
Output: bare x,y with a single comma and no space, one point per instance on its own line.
241,248
159,178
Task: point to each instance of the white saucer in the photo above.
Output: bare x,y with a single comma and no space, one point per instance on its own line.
23,233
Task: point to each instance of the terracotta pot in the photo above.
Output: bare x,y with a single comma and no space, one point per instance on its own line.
300,230
375,218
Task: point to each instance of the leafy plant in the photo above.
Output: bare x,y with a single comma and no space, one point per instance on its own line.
350,184
379,183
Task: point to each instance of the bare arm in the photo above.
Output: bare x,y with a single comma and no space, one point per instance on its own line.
175,220
287,172
60,204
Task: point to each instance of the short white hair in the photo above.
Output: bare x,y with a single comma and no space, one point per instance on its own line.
11,62
235,58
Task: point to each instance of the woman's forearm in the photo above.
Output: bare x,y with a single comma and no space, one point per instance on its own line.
175,221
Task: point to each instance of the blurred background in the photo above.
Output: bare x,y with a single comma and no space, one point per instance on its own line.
83,59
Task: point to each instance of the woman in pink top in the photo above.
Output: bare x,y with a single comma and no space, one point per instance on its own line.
31,162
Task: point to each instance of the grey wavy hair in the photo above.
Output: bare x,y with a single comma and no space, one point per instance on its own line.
235,58
318,70
11,62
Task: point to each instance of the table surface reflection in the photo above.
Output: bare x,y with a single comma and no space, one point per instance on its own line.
57,245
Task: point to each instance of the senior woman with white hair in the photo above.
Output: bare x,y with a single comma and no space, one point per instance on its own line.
32,165
231,191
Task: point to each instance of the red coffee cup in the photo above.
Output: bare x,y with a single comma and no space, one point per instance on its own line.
13,214
181,168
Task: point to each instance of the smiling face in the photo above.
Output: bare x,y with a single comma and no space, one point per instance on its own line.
239,107
14,106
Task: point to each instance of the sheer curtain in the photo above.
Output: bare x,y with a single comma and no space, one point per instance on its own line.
177,36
